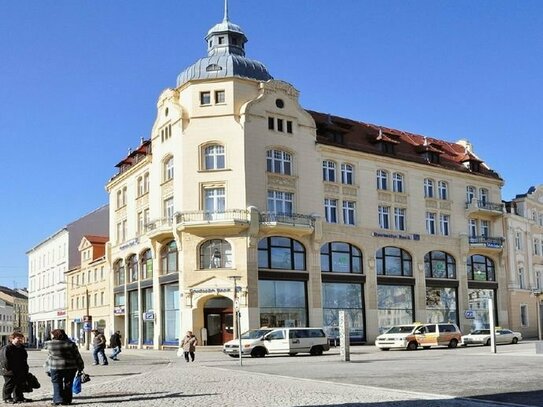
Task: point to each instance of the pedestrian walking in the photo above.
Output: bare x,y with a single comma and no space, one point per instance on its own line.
62,364
14,365
188,344
115,343
98,347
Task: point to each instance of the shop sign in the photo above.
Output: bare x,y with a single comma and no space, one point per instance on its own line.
130,243
118,311
397,236
469,314
77,320
61,313
211,290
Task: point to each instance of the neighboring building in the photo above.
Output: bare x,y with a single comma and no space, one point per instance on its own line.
524,260
314,213
7,318
47,263
18,298
88,290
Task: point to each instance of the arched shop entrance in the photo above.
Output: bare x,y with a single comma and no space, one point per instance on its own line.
219,320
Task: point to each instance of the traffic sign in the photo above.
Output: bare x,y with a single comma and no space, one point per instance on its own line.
87,326
469,314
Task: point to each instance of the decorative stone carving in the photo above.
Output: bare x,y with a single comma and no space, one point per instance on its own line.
402,199
384,196
331,189
167,188
281,181
445,205
350,191
275,86
431,204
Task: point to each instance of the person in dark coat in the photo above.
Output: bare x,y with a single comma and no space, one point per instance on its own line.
14,369
63,362
115,343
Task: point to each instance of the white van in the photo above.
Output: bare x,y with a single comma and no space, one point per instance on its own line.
251,343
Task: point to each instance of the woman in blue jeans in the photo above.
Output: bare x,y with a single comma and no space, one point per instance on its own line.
63,362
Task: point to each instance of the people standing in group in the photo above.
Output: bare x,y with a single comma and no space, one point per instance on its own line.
115,343
14,365
188,344
98,347
63,362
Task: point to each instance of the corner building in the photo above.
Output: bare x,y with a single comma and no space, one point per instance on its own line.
314,213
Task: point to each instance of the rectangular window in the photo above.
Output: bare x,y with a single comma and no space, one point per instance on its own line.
382,180
399,218
170,314
168,209
330,210
348,297
289,126
349,212
214,200
536,247
518,241
133,317
141,224
444,222
441,305
219,96
282,303
521,279
347,174
472,228
395,305
271,122
431,223
205,98
384,213
280,125
485,228
523,315
280,202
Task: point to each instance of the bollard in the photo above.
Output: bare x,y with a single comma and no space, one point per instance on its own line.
344,348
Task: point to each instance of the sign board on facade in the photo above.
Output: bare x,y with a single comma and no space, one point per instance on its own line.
118,311
469,314
397,236
149,316
87,326
61,313
130,243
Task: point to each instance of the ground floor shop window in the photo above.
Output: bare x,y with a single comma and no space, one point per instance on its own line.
347,297
170,314
395,305
478,302
441,305
134,317
282,303
149,315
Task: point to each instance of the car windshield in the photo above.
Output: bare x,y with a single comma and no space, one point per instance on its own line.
481,332
254,333
400,330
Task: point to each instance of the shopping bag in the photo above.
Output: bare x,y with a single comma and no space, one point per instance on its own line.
32,381
76,386
84,377
180,352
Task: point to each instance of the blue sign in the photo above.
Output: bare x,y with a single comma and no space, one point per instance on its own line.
469,314
87,326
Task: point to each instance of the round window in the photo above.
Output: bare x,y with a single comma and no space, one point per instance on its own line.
279,103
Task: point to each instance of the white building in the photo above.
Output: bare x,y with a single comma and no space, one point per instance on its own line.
7,317
47,263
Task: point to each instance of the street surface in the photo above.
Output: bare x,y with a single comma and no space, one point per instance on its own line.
463,377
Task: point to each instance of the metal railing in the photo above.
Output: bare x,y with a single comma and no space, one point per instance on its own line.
158,224
489,206
294,219
207,216
492,242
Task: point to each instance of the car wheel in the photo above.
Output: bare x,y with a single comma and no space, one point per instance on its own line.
515,341
412,345
487,343
292,354
426,347
233,356
258,353
385,348
453,343
316,351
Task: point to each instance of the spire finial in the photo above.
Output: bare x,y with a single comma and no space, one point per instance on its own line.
225,10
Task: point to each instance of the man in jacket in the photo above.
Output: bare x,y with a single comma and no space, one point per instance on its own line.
115,343
14,366
98,347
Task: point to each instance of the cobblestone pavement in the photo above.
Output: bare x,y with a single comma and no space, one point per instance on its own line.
159,378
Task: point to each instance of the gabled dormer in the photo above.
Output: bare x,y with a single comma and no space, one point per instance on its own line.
92,248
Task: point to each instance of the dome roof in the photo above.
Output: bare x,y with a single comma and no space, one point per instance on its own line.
224,26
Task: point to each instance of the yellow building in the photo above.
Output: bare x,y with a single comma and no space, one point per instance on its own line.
524,260
314,213
19,300
88,291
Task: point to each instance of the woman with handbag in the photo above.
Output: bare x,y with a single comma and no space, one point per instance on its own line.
63,362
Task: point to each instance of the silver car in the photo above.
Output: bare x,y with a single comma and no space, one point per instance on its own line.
482,337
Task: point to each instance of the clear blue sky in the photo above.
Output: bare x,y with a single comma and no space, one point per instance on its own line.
79,82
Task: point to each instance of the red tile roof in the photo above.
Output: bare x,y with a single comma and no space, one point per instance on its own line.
96,239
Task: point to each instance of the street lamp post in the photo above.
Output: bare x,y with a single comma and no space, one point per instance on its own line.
87,319
237,329
537,293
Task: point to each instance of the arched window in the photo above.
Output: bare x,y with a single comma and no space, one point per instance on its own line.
428,188
439,264
168,258
215,254
483,196
397,182
393,261
329,171
132,267
480,268
382,180
470,193
279,162
214,157
347,174
146,265
277,252
340,257
443,189
118,273
168,169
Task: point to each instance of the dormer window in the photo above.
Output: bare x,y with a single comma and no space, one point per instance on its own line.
387,148
221,40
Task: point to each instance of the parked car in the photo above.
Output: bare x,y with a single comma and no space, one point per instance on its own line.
412,336
250,340
482,337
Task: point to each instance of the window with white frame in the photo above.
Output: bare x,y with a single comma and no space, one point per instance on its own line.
146,182
330,210
483,196
168,209
347,174
214,200
521,278
279,162
472,225
537,244
431,223
444,224
523,315
382,180
384,217
399,218
349,213
280,202
214,158
141,224
397,182
428,188
329,171
518,240
470,193
168,169
140,186
538,284
443,190
485,228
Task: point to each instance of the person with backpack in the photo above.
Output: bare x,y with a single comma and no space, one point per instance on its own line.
14,367
115,343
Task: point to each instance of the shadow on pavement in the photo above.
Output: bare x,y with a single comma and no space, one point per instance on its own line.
527,398
130,397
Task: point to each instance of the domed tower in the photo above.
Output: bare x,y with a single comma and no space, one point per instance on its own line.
225,56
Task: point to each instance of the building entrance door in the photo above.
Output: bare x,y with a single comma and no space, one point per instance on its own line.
219,320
